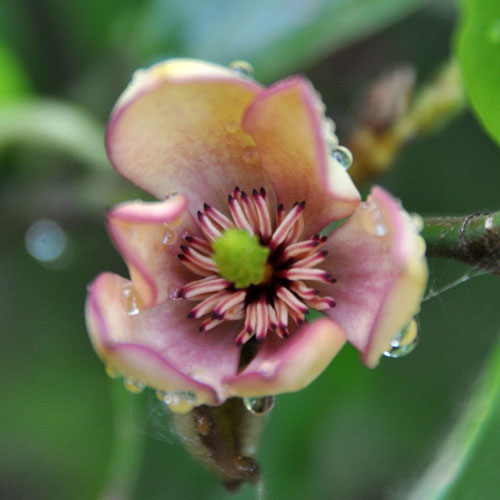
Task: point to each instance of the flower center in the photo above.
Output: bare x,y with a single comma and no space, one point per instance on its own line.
240,258
253,268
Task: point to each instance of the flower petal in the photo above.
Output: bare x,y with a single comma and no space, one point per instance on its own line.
148,234
159,346
289,365
378,259
286,123
177,128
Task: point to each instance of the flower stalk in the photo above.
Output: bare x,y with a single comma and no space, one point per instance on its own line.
473,239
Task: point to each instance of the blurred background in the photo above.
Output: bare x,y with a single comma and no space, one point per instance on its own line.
67,430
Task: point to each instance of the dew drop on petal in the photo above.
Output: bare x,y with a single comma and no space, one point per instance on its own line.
342,156
405,341
128,292
250,155
259,406
133,386
112,372
178,402
171,195
243,68
170,236
373,220
488,223
232,127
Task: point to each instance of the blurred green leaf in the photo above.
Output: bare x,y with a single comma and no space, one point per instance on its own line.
54,124
479,54
468,461
276,37
13,82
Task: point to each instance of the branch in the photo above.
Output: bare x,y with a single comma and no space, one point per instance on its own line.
473,239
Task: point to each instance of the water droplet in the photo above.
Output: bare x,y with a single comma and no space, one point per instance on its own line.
373,219
179,402
250,155
133,386
418,222
128,292
232,127
259,406
171,195
488,223
243,68
405,341
170,236
45,240
112,372
342,156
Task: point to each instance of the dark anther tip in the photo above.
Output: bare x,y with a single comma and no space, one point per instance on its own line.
281,207
262,191
180,256
302,204
230,199
243,194
254,192
206,206
199,214
183,248
188,238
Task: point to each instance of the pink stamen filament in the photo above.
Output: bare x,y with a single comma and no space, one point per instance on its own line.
282,296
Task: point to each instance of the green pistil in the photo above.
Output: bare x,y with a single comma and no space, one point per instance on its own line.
241,258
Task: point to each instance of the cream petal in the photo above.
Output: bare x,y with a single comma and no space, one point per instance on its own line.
291,364
287,125
177,128
148,235
159,346
378,259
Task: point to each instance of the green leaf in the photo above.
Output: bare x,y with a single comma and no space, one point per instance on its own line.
479,55
277,36
468,460
13,83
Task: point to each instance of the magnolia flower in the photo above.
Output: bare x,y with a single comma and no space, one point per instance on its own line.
224,268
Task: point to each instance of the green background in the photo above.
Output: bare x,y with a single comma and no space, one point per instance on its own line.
354,433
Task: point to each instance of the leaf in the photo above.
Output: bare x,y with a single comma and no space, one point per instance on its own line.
13,83
479,55
468,460
276,37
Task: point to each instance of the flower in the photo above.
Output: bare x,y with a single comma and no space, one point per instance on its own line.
219,286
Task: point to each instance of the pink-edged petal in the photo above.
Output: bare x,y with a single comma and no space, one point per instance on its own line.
287,125
291,364
159,347
148,235
177,128
378,258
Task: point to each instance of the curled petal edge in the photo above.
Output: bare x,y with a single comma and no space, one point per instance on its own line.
288,366
136,361
404,294
137,229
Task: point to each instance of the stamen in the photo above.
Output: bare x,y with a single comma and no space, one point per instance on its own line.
198,244
200,271
208,228
199,259
302,273
239,216
201,287
218,217
227,303
264,217
291,300
234,247
285,226
311,260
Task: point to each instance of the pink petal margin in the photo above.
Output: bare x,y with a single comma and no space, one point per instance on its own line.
290,365
177,127
158,347
287,124
139,230
378,258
